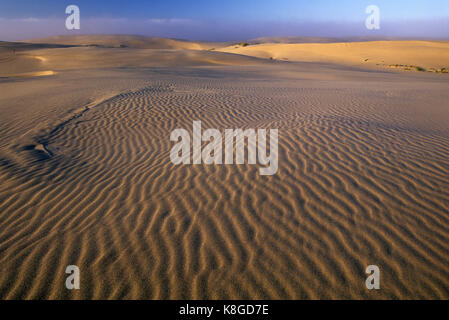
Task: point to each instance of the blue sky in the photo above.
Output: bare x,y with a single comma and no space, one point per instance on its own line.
226,19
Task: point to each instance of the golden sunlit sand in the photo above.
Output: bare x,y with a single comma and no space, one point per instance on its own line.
424,54
86,177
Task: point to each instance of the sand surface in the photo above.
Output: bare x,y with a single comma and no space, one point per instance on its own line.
86,177
429,55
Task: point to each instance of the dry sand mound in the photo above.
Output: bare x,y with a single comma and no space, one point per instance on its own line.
425,54
124,41
14,62
49,55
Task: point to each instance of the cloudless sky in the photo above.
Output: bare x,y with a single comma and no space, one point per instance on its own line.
230,15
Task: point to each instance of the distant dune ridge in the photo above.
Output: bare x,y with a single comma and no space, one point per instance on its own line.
114,41
86,177
87,51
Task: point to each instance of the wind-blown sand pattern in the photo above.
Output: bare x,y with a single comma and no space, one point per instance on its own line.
422,54
86,179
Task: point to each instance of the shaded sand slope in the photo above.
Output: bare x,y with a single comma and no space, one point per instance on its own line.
49,55
117,41
13,61
87,58
425,54
298,39
363,179
23,62
19,58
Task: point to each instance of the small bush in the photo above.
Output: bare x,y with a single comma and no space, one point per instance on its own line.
419,69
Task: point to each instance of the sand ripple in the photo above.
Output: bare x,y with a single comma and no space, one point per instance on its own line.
356,186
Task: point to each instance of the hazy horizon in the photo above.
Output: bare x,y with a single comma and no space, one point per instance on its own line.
200,20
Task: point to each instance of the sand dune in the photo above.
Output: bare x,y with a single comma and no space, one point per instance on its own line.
425,54
297,39
61,53
122,41
14,63
88,58
86,179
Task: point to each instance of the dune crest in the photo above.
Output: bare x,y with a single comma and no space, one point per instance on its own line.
424,54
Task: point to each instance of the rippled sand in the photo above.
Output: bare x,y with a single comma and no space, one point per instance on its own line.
86,179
